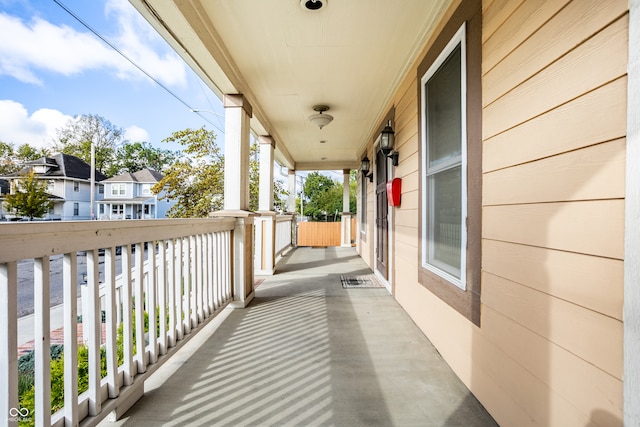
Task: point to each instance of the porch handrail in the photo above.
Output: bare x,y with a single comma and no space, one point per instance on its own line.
180,287
285,227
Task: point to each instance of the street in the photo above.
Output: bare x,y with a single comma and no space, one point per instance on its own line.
26,286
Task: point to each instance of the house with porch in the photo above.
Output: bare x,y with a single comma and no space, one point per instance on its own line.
68,184
129,196
498,202
514,245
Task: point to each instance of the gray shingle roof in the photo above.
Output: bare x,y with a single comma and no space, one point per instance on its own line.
148,175
63,165
144,175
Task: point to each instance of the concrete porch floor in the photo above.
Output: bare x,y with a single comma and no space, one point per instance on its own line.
308,352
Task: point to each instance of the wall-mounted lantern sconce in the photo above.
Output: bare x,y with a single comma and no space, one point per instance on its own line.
387,139
365,166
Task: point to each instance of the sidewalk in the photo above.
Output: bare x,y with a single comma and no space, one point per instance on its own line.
26,328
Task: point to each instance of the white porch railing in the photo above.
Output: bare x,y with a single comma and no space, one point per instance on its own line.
285,233
273,235
178,273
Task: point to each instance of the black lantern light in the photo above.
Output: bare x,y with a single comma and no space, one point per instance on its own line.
365,166
387,139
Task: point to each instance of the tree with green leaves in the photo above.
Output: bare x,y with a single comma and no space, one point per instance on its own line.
76,137
353,191
323,197
195,181
11,159
7,160
133,157
29,197
279,193
26,153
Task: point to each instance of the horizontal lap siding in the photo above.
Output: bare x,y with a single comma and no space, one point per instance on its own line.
405,219
554,90
587,120
586,280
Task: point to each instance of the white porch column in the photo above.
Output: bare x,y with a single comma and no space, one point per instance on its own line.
267,147
291,201
345,226
265,244
238,112
345,190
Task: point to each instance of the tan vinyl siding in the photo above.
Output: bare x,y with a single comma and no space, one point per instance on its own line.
406,216
584,333
553,205
572,25
594,117
596,172
586,227
549,347
586,280
563,80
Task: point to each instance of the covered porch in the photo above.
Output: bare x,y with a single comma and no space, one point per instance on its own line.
307,351
537,314
229,348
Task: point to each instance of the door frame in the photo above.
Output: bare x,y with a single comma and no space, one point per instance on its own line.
389,281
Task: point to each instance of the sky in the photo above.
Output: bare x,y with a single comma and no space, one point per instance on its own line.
52,68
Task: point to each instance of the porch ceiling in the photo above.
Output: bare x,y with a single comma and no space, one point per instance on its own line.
349,55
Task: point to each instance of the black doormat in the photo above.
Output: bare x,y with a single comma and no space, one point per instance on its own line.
361,281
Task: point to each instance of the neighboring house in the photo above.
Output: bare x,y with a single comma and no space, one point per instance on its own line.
68,183
129,196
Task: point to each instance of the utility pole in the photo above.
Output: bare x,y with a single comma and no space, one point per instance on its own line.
93,181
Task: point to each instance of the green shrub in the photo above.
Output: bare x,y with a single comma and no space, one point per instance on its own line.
26,367
26,388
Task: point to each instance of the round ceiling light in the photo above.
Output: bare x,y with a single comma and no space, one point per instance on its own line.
320,119
313,4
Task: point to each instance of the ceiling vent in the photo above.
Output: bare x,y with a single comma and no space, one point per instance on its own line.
313,4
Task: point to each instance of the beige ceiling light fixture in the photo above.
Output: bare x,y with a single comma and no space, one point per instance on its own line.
313,5
320,119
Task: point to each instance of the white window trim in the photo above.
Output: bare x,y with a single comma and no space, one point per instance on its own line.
458,38
631,317
363,205
118,189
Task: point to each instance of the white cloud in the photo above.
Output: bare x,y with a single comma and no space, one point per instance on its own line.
38,45
37,129
140,42
136,134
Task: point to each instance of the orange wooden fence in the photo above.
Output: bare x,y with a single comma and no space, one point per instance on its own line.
322,233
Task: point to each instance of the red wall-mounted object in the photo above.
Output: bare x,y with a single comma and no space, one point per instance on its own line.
394,190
